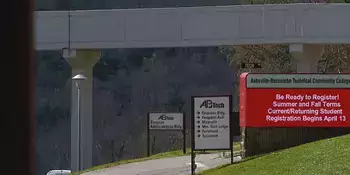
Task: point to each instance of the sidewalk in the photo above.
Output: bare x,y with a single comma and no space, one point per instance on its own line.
167,166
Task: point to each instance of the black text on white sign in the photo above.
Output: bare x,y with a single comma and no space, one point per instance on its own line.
212,122
165,121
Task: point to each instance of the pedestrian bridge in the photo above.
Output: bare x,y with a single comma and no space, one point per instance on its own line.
305,27
194,26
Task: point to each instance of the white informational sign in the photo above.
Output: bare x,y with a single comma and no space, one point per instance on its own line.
212,122
165,121
317,81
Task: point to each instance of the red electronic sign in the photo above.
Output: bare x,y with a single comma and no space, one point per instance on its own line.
294,100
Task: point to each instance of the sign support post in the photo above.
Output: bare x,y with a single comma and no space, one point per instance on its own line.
184,133
193,156
193,162
148,136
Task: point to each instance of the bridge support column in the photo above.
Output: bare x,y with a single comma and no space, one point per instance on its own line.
306,56
82,61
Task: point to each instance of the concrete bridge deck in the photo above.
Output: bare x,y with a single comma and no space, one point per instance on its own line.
194,26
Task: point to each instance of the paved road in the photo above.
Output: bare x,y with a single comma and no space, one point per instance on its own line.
167,166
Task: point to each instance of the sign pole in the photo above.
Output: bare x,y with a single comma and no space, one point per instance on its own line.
231,127
193,163
232,154
184,133
148,137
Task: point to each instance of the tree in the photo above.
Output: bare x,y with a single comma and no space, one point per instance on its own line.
337,58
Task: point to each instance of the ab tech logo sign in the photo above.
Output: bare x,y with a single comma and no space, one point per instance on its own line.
165,121
165,117
211,104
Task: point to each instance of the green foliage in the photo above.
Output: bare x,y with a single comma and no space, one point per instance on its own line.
48,115
274,58
329,156
113,61
153,157
229,52
52,70
106,67
176,102
135,58
337,58
171,52
51,77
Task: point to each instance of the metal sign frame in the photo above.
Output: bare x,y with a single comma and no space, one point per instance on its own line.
177,130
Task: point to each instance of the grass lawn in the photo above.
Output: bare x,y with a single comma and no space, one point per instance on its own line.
176,153
324,157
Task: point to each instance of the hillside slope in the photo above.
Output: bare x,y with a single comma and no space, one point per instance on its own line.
329,156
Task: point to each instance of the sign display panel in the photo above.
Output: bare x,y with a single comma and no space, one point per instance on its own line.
165,121
211,120
294,100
